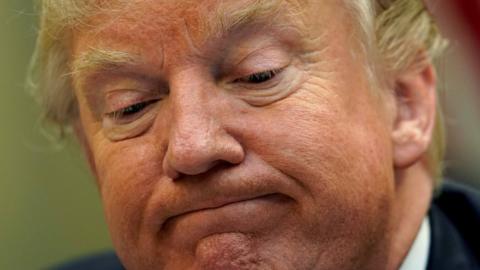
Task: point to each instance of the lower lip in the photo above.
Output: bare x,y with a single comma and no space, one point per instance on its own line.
249,216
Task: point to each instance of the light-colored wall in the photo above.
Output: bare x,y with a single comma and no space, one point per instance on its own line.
49,207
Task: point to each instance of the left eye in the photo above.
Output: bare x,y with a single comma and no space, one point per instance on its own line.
259,77
130,110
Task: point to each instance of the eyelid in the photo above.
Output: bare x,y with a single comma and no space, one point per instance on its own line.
122,112
260,64
122,98
243,62
131,125
259,51
130,129
273,72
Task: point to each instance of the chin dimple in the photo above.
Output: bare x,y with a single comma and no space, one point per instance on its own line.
227,251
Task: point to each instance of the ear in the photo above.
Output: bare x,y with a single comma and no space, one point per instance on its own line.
82,140
415,96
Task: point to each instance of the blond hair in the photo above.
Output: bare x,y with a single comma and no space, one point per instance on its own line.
397,30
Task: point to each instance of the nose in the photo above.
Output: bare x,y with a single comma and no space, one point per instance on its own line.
198,141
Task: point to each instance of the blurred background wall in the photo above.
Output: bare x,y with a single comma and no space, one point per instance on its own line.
49,207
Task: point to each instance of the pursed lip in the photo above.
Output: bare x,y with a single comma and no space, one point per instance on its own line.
216,203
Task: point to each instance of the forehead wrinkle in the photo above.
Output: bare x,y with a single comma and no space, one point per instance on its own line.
278,12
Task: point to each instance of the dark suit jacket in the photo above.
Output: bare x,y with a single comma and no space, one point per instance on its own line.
455,229
455,234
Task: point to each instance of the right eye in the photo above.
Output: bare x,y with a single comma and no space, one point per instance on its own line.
130,111
131,120
259,77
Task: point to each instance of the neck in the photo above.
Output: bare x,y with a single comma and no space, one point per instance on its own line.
413,195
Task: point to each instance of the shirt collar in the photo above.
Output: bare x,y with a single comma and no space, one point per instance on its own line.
417,257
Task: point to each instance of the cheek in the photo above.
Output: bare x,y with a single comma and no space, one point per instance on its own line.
341,159
318,143
128,173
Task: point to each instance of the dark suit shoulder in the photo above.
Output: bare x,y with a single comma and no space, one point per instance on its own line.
461,205
455,226
102,261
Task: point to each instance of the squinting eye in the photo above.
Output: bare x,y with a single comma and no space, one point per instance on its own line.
131,110
259,77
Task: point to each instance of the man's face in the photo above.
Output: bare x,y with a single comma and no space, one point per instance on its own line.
235,139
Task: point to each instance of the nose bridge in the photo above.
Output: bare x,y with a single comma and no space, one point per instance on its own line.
192,124
192,117
197,139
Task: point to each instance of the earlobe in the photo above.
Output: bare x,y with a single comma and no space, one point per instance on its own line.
82,140
415,96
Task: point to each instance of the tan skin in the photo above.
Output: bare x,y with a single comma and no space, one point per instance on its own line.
254,149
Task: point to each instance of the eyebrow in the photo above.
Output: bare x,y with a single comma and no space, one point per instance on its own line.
102,59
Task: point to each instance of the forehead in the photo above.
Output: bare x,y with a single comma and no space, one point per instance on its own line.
168,30
159,21
200,17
